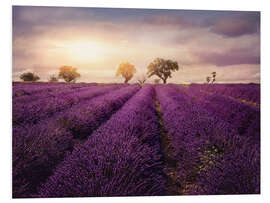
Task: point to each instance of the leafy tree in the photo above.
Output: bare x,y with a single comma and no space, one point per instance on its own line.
208,79
29,77
127,71
53,78
68,73
214,76
162,68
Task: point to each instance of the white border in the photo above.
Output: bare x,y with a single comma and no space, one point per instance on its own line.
5,11
169,4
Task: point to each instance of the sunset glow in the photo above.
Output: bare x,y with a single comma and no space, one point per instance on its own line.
119,102
85,50
96,40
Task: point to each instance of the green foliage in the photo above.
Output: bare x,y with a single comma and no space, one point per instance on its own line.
162,68
68,73
29,77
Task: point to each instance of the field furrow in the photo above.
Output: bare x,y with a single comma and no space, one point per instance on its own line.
121,158
244,118
133,140
37,149
202,143
32,112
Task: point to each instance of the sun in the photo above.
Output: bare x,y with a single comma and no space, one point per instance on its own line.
84,50
87,50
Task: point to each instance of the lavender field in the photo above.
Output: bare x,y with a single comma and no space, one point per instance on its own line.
90,139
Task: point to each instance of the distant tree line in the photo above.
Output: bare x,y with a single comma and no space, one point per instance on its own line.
159,67
29,77
67,73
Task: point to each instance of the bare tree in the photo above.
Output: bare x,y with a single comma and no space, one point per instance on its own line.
208,79
213,77
142,79
53,78
156,81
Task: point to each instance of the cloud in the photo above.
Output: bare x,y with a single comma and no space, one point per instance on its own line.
227,24
237,25
95,40
230,57
171,20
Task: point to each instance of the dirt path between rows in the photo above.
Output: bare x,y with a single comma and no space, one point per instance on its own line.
170,164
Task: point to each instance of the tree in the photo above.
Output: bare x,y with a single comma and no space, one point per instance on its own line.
68,73
162,68
208,79
142,79
53,78
156,81
214,76
127,71
29,77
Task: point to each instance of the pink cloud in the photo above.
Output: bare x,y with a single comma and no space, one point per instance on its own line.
230,57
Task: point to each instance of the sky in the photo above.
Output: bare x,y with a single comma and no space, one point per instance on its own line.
97,40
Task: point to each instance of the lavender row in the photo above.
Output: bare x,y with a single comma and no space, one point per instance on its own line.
34,111
211,157
121,158
236,172
38,149
30,89
26,90
243,117
17,84
84,118
52,92
247,92
33,84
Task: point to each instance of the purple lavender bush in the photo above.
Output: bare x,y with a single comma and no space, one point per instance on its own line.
85,140
121,158
42,146
34,111
203,144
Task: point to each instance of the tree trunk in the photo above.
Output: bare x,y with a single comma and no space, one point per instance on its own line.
126,80
164,80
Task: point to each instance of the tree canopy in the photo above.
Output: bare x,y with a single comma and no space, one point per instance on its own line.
127,71
208,79
29,76
214,76
162,68
68,73
53,78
